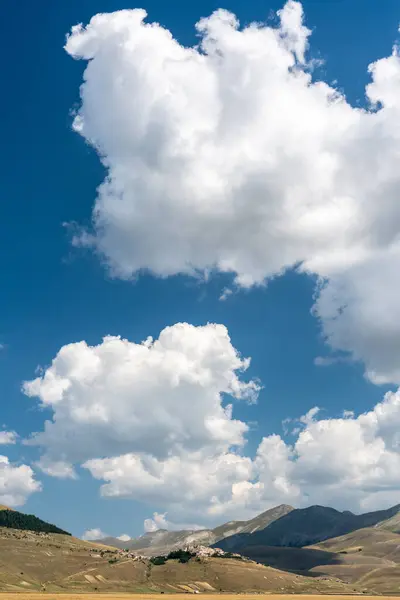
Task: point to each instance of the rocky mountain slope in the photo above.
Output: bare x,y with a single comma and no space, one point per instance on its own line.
162,541
279,526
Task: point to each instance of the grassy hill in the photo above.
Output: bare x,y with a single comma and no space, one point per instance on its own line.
32,561
392,524
368,557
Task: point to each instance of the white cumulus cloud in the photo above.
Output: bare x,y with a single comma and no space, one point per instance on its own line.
150,422
350,462
189,485
231,155
158,397
17,483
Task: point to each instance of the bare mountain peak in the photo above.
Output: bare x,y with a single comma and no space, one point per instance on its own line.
281,508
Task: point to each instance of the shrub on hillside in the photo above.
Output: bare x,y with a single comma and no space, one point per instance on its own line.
182,555
228,555
158,560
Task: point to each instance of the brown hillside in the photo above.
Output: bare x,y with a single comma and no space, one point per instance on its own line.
33,561
369,558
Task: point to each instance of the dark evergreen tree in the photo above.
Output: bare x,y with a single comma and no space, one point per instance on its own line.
17,520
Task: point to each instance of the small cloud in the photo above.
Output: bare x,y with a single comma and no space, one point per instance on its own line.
306,420
159,521
57,468
8,437
91,535
226,292
348,414
285,425
328,361
325,361
309,416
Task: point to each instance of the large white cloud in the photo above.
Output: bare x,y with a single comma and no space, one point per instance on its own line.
158,397
17,483
359,311
150,423
350,463
229,155
187,485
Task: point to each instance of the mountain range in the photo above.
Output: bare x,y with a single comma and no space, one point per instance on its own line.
162,541
362,551
279,526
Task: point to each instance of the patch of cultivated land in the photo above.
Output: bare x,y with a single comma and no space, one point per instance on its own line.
111,596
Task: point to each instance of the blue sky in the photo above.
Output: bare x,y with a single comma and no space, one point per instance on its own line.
56,294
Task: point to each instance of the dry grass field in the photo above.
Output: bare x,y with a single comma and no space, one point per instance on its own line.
55,563
113,596
368,559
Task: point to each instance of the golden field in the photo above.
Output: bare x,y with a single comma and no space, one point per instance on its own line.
111,596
